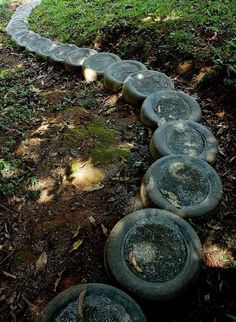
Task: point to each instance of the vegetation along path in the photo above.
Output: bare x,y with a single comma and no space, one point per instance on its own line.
73,155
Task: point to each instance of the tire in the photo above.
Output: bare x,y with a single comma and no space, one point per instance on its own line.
165,185
75,58
119,270
181,106
184,137
58,54
94,66
72,294
116,74
138,86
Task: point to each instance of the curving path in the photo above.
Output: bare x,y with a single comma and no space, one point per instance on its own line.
181,181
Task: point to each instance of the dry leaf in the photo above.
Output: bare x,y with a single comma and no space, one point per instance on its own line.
41,261
76,233
92,220
76,245
94,187
104,230
171,197
58,280
81,302
133,261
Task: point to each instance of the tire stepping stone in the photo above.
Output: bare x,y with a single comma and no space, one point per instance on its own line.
169,105
22,39
185,185
45,48
58,54
116,74
140,85
92,303
153,253
94,66
184,137
75,58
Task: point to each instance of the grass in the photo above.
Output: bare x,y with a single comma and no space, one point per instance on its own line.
169,29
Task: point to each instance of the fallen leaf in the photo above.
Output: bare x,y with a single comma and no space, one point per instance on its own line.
76,233
81,302
94,187
58,280
76,245
92,220
41,261
133,261
171,197
104,230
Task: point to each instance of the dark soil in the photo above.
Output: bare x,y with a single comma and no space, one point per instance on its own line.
52,214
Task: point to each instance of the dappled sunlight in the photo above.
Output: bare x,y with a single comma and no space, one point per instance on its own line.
45,196
85,176
217,256
29,149
90,75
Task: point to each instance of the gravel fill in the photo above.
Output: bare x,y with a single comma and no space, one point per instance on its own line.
96,308
159,251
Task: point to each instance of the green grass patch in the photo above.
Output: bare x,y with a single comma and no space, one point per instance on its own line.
169,29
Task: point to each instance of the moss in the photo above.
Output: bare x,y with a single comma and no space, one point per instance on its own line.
104,154
105,142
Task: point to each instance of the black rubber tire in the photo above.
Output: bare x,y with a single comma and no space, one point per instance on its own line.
91,69
153,197
72,294
149,116
118,269
59,54
134,90
75,58
114,83
159,142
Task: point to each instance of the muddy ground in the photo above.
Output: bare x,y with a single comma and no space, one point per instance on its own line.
83,153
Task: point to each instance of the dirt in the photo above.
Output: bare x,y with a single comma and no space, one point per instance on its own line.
73,123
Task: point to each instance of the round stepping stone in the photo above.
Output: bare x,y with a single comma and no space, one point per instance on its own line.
142,84
94,66
153,253
75,58
184,137
169,105
185,185
116,74
46,47
92,303
59,53
34,44
23,38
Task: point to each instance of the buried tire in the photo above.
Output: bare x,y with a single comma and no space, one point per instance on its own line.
153,254
92,303
182,184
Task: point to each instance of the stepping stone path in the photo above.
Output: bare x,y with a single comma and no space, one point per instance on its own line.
60,52
184,137
169,105
187,186
95,65
140,85
163,252
153,253
75,58
92,303
116,74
